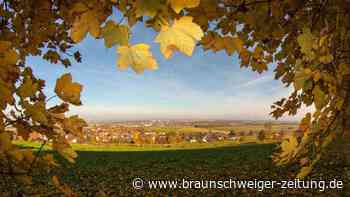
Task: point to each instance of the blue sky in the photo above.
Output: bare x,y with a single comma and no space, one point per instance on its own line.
205,86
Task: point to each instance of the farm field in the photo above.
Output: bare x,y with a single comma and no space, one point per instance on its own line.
109,170
239,127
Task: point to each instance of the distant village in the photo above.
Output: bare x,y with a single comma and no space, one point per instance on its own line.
147,132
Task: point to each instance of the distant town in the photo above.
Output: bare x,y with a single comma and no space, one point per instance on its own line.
178,131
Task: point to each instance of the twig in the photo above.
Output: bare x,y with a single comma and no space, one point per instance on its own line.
121,20
36,157
52,97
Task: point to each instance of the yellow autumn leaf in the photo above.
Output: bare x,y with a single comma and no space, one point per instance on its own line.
181,36
305,122
50,159
326,59
57,111
78,8
259,66
244,56
288,146
101,194
7,54
306,42
344,69
238,44
27,88
208,40
22,130
61,145
36,111
148,7
218,44
16,154
6,93
28,155
138,56
84,23
55,181
5,46
258,52
5,141
304,172
25,179
67,90
115,34
339,103
300,77
316,75
69,154
319,97
178,5
74,125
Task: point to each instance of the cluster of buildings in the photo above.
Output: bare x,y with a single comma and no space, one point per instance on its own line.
148,132
104,134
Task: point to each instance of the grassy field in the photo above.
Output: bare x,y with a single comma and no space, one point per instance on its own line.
150,147
111,169
133,147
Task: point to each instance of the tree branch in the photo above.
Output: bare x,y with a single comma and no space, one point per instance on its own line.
36,157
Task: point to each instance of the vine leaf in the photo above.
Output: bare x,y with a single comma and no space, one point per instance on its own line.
180,36
67,90
138,56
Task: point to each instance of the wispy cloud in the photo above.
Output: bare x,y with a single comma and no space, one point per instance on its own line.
256,82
